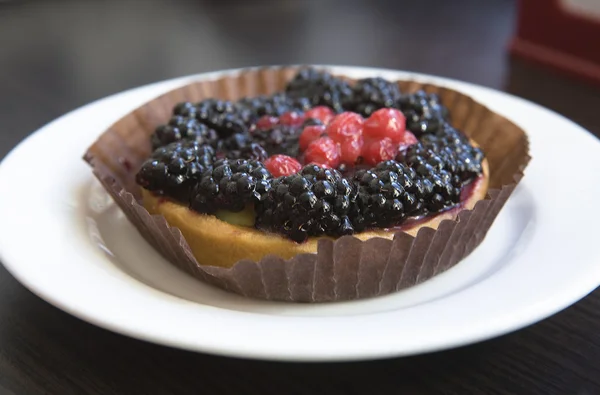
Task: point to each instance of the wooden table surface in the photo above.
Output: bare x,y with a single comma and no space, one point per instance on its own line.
58,55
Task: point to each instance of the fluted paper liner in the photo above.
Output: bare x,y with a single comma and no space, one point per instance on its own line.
342,269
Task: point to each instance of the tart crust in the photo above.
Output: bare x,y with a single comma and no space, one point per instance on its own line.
214,242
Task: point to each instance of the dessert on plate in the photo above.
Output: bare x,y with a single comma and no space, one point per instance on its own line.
345,189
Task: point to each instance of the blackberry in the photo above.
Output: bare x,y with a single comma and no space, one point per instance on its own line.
439,173
185,109
424,112
235,142
253,151
314,202
281,139
371,94
300,103
440,190
274,105
231,185
265,105
387,194
321,88
447,150
224,117
182,127
241,146
174,170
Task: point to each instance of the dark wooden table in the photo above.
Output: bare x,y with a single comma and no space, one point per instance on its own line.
58,55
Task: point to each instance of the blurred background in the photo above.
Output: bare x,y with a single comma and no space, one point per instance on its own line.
58,55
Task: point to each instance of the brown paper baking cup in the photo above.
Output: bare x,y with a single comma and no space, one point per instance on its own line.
342,269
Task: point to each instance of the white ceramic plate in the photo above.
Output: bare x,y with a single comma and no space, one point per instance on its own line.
63,238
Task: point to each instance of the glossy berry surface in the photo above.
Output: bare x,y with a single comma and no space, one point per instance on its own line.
424,113
223,116
380,150
310,134
274,105
174,169
386,122
292,118
323,151
282,165
322,113
448,150
371,94
408,139
231,185
182,128
351,150
345,126
314,202
281,139
267,122
321,88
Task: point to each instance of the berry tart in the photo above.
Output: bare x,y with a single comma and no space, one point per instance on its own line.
281,175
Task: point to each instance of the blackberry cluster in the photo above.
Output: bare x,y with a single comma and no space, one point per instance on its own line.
441,188
424,113
250,151
260,144
314,202
387,194
223,116
182,127
227,126
231,185
235,142
274,105
440,175
371,94
446,150
281,139
209,122
321,88
175,169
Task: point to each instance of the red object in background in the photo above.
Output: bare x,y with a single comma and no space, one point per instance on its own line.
549,33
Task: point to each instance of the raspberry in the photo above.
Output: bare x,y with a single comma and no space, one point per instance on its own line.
292,118
345,126
282,165
267,122
310,134
386,122
351,150
323,151
322,113
407,140
380,150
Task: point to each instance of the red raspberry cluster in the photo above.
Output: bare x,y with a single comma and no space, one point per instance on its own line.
346,138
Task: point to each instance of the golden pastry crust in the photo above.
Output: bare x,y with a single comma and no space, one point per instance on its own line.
217,243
